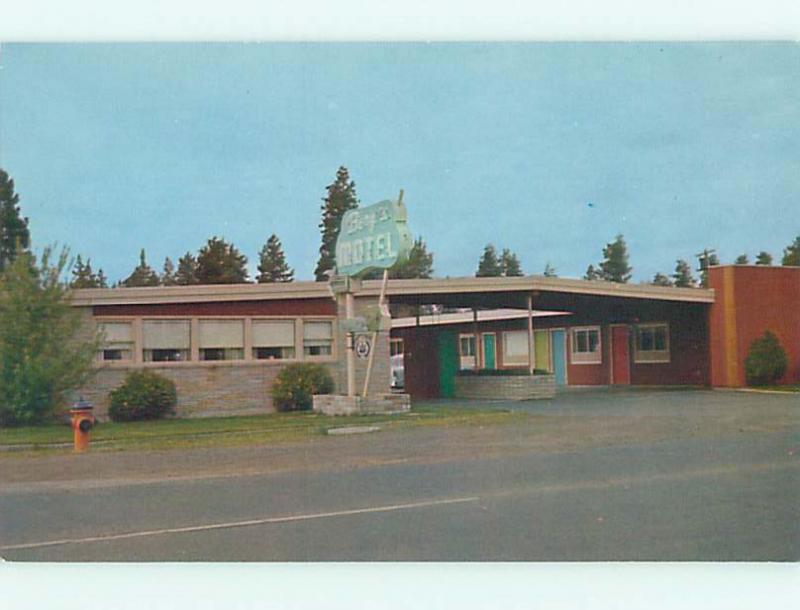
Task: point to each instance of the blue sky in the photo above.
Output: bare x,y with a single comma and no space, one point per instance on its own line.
677,146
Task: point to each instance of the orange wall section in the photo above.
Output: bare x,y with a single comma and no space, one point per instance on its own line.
751,299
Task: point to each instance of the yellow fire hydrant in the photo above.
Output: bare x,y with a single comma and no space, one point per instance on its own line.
82,424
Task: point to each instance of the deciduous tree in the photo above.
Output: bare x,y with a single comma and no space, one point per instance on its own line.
45,351
742,260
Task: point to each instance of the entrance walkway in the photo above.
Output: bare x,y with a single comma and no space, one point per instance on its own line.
634,401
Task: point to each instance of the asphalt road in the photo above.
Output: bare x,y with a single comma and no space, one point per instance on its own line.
732,497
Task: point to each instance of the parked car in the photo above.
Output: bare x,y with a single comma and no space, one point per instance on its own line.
398,372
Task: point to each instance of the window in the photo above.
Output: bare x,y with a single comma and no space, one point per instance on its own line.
652,343
318,338
221,339
395,347
586,347
515,347
466,350
166,340
117,341
273,339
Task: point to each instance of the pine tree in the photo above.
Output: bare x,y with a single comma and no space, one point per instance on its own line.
418,265
102,280
84,277
712,261
14,235
742,260
340,198
791,254
659,279
187,270
592,274
550,271
489,266
219,262
509,264
142,275
272,266
764,258
615,267
683,275
168,273
81,274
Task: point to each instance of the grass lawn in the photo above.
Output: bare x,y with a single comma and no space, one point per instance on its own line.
229,431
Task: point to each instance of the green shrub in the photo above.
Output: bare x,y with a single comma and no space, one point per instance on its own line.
297,383
143,395
766,362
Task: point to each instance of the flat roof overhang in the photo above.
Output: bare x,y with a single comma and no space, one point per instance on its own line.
548,293
476,292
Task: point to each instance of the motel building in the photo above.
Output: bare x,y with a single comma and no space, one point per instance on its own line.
223,345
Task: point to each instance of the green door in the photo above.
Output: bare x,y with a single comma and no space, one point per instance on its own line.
489,360
448,363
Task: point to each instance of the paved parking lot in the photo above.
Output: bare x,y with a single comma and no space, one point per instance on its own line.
604,475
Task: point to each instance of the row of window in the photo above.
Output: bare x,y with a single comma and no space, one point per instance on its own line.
171,340
650,343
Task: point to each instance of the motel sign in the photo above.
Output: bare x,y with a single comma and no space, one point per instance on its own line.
373,237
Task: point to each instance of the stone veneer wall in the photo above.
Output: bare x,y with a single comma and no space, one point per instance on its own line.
381,378
505,387
210,389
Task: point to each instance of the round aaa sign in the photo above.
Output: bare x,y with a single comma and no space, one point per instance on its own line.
362,346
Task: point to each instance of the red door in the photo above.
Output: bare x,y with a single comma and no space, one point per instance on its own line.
620,356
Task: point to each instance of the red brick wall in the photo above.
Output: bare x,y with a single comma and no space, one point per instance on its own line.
764,298
287,307
689,350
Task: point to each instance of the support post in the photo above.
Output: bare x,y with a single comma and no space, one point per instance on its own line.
351,356
375,333
478,346
531,353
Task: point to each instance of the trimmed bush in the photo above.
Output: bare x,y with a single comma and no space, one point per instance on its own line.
297,383
766,362
143,395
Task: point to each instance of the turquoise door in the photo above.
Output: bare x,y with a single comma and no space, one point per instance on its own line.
560,357
489,353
